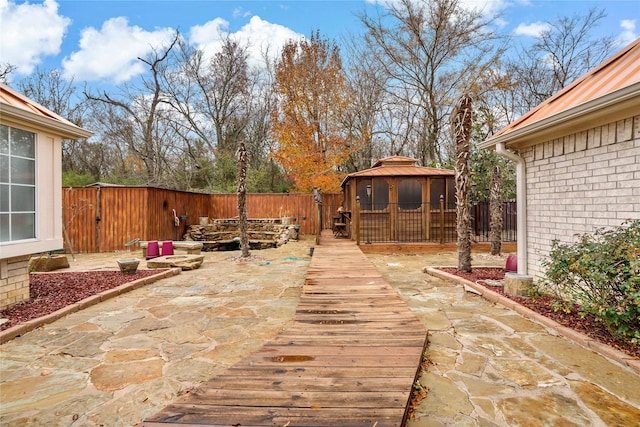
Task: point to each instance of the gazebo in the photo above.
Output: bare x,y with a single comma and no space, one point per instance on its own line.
397,201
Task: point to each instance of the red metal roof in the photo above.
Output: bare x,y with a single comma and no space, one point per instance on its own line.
395,160
16,106
398,166
619,71
16,99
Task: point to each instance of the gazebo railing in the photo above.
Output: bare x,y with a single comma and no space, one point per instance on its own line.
428,223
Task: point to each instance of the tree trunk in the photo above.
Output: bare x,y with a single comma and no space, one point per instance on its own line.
461,125
495,208
242,200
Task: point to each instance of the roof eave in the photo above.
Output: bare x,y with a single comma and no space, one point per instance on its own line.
65,130
614,106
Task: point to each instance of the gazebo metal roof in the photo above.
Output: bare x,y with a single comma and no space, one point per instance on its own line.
398,166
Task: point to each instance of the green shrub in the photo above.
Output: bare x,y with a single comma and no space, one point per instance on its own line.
600,275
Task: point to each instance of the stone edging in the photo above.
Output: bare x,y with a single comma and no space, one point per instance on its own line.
23,328
575,336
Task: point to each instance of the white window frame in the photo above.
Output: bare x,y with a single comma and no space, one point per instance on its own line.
9,156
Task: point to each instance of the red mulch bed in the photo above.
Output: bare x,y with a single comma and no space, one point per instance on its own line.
586,325
53,291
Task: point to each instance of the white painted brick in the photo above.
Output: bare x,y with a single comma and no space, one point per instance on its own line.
548,149
581,141
603,172
582,174
542,162
624,194
603,185
624,130
636,127
622,177
603,156
566,175
563,164
629,215
584,160
582,187
622,161
627,168
626,148
612,134
558,147
594,138
579,167
576,155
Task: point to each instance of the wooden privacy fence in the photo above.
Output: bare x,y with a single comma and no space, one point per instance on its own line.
105,218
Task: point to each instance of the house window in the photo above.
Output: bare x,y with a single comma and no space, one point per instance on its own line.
379,198
409,194
17,184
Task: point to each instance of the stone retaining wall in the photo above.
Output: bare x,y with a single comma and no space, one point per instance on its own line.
220,234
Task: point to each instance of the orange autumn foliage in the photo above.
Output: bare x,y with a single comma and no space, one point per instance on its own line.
311,142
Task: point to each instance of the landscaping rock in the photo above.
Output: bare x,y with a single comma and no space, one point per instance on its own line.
184,262
45,263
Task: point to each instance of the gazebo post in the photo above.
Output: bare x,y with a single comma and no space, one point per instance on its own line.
442,219
318,199
356,220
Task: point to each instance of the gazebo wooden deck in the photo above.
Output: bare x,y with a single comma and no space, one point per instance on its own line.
349,359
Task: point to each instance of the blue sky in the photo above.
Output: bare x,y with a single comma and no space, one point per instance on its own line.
99,40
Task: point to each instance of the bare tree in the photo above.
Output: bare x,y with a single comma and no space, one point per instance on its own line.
561,53
5,71
495,212
461,122
209,92
139,121
366,83
213,97
432,51
51,90
242,199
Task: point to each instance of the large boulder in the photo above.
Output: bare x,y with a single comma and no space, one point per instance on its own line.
44,263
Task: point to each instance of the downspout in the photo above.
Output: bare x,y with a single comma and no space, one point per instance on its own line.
521,200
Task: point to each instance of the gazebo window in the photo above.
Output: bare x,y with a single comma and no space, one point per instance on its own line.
409,194
445,187
17,184
379,198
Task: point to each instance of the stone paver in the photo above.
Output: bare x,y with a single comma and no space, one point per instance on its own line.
126,358
493,367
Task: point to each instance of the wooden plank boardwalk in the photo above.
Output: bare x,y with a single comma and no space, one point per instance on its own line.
349,359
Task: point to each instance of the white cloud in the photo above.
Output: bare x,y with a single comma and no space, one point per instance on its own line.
30,32
111,52
489,8
532,30
257,34
239,12
262,35
628,32
210,32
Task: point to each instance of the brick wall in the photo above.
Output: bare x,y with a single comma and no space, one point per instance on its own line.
579,183
14,280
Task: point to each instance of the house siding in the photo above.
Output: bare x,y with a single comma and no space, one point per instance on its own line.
14,281
579,183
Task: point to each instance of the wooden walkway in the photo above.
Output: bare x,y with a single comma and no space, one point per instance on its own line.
349,359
